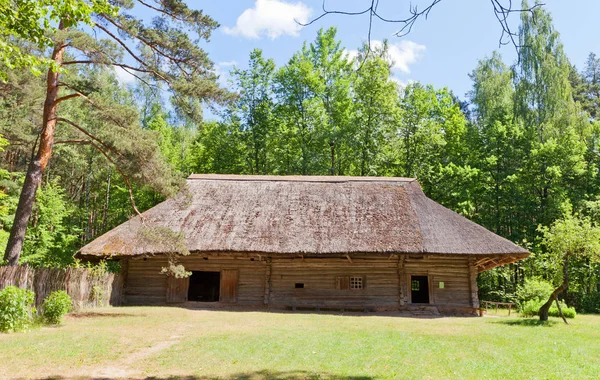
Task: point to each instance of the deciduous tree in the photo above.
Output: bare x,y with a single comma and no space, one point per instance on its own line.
571,237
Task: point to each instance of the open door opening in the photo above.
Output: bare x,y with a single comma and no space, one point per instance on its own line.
419,286
204,286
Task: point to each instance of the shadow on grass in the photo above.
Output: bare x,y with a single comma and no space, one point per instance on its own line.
256,375
93,314
527,322
354,312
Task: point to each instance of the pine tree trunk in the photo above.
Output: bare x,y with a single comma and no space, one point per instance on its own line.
36,167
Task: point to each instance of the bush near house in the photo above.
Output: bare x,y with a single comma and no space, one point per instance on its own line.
16,309
56,306
533,290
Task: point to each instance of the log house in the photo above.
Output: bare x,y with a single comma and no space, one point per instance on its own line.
349,243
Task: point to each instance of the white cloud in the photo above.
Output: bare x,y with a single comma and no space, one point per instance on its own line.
273,18
351,54
405,53
124,77
227,63
401,55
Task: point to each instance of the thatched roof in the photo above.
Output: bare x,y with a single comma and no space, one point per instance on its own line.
301,215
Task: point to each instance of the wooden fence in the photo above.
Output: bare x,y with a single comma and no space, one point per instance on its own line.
87,288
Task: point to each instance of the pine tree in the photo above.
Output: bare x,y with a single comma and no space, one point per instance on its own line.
163,50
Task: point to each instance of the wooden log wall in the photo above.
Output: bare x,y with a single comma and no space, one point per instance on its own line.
86,288
453,271
147,286
318,277
271,281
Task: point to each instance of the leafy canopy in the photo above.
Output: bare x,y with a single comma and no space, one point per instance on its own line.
36,21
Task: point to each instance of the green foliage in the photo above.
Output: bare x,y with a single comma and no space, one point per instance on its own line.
497,285
16,309
589,303
50,240
96,295
254,111
532,309
572,237
514,158
375,113
533,290
3,143
36,21
218,149
56,306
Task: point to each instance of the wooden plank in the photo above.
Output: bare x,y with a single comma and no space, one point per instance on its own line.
342,283
177,289
229,285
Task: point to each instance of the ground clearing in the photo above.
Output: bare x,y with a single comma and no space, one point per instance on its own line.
160,342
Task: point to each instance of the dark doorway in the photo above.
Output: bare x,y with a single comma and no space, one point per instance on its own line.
204,286
419,286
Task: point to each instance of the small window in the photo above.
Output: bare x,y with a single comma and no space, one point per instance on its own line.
299,285
356,282
415,285
441,284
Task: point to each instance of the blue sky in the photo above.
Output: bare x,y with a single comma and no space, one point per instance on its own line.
441,50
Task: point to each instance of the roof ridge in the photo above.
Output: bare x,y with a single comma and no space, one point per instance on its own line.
297,178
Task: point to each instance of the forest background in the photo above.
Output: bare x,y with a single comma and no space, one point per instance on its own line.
517,154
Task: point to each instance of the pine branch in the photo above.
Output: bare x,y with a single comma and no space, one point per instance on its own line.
88,134
151,45
92,103
121,65
97,143
72,142
67,97
123,44
163,11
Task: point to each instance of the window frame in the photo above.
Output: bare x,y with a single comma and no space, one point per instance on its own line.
356,280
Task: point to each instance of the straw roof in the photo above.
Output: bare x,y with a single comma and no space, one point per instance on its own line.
301,215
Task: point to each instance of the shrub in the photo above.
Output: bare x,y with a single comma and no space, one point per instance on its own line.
589,303
56,305
533,290
531,308
568,312
16,308
97,295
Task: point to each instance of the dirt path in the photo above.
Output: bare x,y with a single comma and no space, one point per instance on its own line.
125,367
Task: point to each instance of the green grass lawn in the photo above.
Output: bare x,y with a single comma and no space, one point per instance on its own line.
157,342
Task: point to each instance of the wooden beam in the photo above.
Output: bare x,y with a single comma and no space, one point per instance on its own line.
473,272
349,259
268,272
